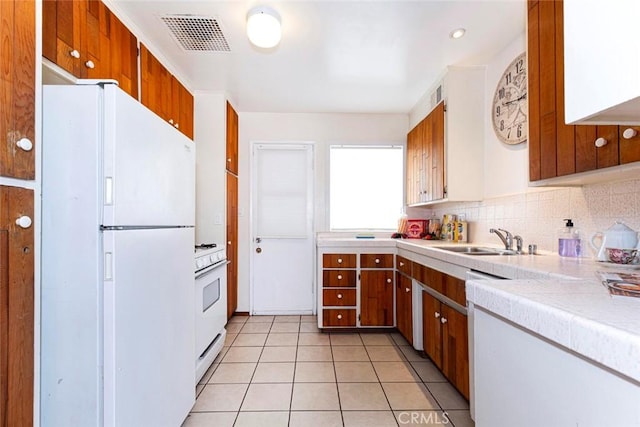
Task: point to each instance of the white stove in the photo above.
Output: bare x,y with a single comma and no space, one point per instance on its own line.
210,304
208,255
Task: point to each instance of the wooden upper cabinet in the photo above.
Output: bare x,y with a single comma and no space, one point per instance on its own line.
84,38
437,153
555,148
163,93
17,89
232,139
629,140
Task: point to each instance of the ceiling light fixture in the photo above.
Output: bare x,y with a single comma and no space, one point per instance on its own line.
457,33
263,27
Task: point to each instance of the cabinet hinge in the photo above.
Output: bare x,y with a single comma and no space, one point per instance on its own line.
358,317
445,107
138,51
445,190
358,276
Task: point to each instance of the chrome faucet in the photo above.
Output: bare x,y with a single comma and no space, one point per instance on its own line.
518,244
507,238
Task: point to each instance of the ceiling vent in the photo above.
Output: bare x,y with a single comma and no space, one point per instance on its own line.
197,33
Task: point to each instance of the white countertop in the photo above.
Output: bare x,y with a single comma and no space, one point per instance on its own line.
557,298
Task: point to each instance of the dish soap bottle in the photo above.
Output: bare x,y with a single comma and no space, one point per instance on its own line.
569,243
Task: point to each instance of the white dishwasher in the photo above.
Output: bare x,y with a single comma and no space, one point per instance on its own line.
474,275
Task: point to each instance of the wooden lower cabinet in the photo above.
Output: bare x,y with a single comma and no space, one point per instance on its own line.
376,298
445,340
355,289
455,349
431,328
404,309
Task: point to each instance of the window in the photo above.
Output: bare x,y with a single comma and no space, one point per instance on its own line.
365,187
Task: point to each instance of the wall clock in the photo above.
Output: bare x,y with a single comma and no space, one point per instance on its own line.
510,106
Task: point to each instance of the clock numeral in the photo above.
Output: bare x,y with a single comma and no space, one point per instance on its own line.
502,125
520,66
501,93
519,132
508,78
498,111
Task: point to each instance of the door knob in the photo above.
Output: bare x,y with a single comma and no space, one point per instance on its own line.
258,250
407,290
74,53
90,64
23,222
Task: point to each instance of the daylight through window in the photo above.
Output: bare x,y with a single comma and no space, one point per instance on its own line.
365,187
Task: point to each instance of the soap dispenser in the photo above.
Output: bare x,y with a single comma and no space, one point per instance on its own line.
569,243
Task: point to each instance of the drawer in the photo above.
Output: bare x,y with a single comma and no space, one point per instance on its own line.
339,278
429,277
454,288
332,297
339,317
376,261
339,260
404,265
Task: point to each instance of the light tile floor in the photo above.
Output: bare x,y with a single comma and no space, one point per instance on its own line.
283,371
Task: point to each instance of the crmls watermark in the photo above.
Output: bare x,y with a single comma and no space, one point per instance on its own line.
423,417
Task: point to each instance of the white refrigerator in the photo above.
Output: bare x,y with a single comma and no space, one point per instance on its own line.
118,211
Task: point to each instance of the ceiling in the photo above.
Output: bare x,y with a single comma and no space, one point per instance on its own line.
335,56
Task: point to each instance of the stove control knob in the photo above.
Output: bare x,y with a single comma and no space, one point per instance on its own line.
212,258
199,263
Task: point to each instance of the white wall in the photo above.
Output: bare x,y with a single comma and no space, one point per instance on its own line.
506,166
323,130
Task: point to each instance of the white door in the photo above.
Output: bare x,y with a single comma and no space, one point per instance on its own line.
282,229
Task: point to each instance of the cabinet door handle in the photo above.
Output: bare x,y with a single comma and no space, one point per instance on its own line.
74,54
443,320
339,316
407,290
388,280
437,314
601,142
90,64
339,260
339,276
339,296
177,126
171,121
229,160
25,144
629,133
377,260
401,264
23,222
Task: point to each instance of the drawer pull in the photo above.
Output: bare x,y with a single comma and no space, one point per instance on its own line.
339,260
339,316
629,133
443,320
377,260
601,142
437,314
339,276
339,296
388,280
407,290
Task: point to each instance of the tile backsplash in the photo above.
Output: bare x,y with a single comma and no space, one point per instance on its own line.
538,215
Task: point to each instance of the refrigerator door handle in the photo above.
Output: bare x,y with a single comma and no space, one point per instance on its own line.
108,266
108,190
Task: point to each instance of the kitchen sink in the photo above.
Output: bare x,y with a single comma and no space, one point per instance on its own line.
475,250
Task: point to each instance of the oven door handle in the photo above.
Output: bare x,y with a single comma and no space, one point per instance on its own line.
211,268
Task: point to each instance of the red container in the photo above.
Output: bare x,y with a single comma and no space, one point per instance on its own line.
415,228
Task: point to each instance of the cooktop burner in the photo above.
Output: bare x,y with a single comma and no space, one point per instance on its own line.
206,246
